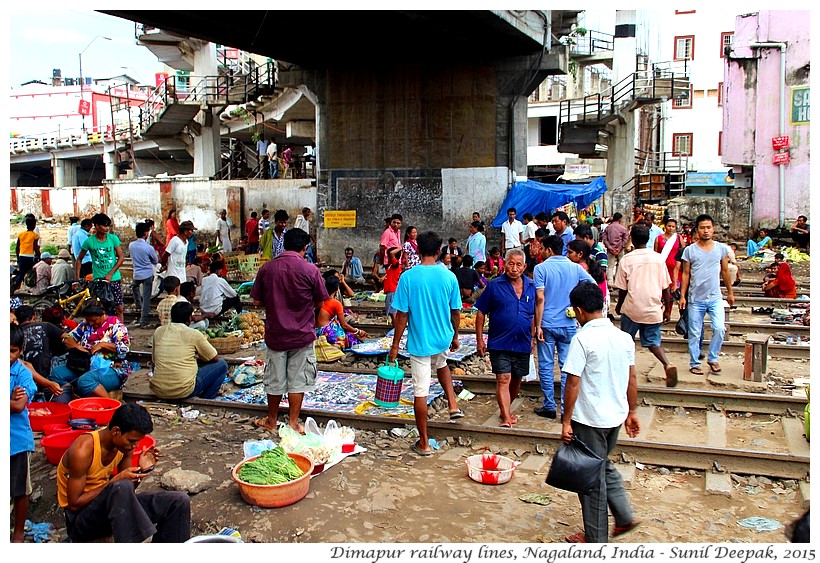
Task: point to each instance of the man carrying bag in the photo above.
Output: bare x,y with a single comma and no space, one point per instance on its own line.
601,394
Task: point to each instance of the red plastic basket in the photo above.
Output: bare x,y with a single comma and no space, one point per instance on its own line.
56,445
59,414
98,408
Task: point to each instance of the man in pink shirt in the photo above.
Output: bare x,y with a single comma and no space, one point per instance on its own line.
391,237
643,289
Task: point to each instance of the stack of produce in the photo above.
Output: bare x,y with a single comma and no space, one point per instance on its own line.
252,327
273,467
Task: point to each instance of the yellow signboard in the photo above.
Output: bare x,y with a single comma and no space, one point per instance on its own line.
341,219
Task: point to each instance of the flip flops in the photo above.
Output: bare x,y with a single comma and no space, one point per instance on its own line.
421,452
505,425
697,370
457,414
580,537
715,367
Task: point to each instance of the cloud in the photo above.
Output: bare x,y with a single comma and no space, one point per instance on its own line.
53,36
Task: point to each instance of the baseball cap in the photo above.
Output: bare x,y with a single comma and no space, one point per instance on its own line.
45,255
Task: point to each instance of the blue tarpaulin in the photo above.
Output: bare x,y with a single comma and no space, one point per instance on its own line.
534,197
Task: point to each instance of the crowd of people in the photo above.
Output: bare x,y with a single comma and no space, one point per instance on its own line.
544,291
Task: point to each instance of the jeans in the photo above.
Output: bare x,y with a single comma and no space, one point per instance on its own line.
274,167
209,379
132,517
696,313
553,338
86,382
143,300
611,486
24,264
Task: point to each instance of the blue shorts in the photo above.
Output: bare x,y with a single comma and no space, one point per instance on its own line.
388,303
516,364
650,334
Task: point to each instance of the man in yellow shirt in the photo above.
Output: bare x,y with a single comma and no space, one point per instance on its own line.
27,251
185,363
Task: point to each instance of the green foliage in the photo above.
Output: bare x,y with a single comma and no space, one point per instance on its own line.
52,249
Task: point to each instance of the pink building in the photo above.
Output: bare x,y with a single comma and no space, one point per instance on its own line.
765,98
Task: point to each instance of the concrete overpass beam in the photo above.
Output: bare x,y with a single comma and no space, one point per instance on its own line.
64,171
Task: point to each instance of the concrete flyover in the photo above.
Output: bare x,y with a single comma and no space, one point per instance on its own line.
422,113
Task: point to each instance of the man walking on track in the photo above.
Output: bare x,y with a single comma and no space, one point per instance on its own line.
428,304
601,395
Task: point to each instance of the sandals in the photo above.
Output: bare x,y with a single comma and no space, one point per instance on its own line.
457,414
421,452
621,530
580,537
505,425
715,367
696,370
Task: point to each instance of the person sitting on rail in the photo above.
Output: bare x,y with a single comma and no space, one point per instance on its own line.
800,233
217,296
185,363
755,246
97,353
782,285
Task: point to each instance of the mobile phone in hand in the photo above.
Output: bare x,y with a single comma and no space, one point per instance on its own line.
146,470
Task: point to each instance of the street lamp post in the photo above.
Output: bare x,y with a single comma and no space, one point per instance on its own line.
82,81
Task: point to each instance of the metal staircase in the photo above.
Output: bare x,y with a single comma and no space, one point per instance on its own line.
582,121
173,105
659,175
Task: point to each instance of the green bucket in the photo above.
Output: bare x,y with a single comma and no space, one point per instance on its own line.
389,381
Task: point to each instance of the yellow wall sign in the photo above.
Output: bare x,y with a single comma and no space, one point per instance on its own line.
343,219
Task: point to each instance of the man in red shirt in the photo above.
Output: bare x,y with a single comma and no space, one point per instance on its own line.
252,232
290,289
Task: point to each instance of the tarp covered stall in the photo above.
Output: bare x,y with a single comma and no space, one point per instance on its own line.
534,197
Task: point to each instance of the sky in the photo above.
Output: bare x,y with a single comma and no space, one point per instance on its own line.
43,40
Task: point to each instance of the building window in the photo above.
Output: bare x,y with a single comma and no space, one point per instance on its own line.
720,94
684,101
682,144
548,130
726,42
720,143
685,48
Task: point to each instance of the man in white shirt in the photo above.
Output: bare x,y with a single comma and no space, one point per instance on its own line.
217,296
173,260
511,231
273,159
601,395
303,222
262,151
223,231
654,230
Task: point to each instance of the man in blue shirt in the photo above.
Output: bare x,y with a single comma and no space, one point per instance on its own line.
352,268
144,258
77,240
428,298
21,440
554,278
509,299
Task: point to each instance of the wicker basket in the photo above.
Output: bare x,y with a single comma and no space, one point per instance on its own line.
227,344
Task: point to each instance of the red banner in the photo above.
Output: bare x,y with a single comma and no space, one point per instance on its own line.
85,107
160,78
780,142
780,158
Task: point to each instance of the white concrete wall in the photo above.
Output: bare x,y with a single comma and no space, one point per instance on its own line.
464,190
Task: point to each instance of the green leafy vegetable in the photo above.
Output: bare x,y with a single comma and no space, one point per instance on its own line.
273,467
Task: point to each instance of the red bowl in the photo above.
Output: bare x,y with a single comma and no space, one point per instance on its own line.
56,445
58,414
144,444
98,408
50,429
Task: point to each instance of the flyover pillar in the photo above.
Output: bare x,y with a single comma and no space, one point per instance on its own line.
207,158
65,172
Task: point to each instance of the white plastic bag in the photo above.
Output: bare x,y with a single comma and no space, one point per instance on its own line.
533,374
253,448
332,436
311,427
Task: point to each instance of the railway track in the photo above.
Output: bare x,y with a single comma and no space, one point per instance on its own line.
712,420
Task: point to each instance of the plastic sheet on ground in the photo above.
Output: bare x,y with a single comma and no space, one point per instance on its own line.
351,393
760,524
381,346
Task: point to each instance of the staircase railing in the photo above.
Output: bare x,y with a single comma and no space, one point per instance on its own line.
209,91
592,43
657,82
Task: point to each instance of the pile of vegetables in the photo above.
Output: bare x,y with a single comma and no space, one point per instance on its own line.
252,327
273,467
